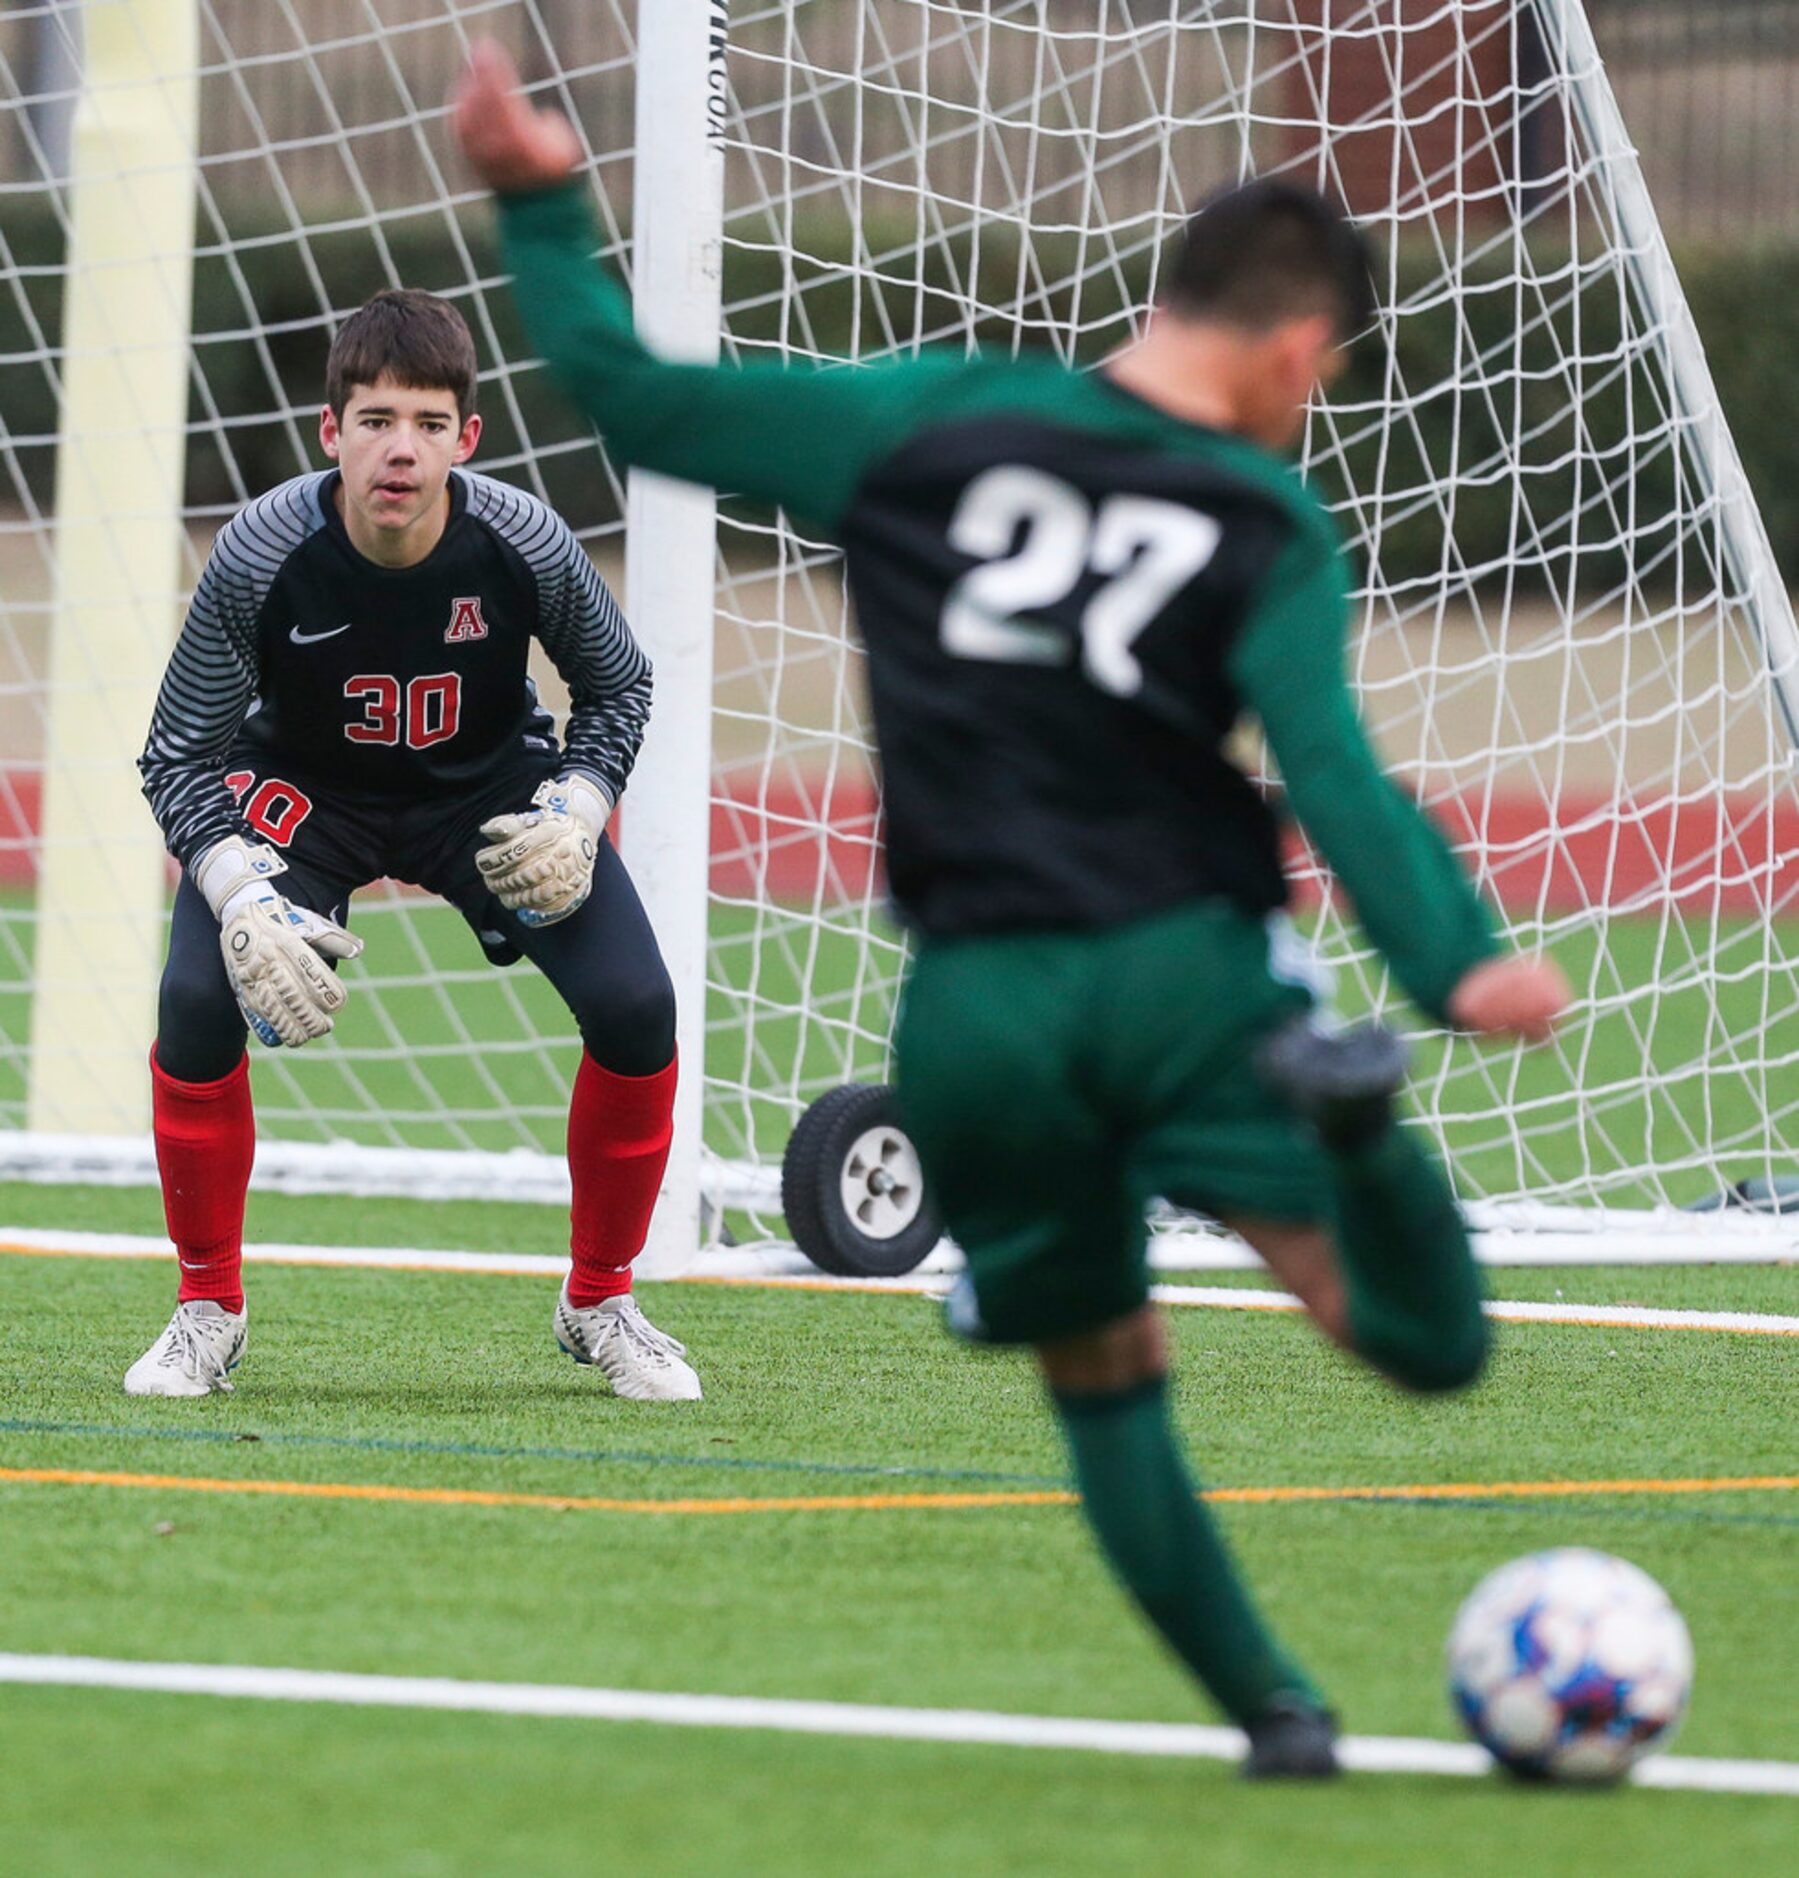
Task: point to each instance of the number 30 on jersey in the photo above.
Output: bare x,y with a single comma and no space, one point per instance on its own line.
432,713
1147,550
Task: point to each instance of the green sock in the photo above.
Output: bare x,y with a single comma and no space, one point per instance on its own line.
1414,1288
1162,1542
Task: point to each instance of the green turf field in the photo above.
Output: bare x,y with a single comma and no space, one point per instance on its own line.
447,1054
426,1382
433,1384
438,1049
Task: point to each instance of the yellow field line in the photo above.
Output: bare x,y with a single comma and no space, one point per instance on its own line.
874,1502
1502,1490
7,1247
544,1502
159,1253
881,1287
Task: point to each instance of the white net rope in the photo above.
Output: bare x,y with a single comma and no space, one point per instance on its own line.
324,173
1560,646
1567,627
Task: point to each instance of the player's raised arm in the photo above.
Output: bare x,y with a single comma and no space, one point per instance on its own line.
798,436
1410,893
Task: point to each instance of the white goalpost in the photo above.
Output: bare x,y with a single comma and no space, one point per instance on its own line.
1574,644
117,571
670,544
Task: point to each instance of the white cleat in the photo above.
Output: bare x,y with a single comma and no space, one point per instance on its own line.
642,1363
195,1355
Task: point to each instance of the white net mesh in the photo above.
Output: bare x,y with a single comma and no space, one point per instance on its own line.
323,174
1568,619
1571,643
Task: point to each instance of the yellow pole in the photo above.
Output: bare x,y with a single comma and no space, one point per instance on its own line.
125,339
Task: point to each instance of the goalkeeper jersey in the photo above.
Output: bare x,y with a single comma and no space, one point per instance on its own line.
1068,599
300,653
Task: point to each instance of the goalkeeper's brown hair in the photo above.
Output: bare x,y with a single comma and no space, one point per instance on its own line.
1268,251
409,336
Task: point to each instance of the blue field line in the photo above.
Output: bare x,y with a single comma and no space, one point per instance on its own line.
376,1444
1584,1509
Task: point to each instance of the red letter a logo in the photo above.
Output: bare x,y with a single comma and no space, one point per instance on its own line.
465,622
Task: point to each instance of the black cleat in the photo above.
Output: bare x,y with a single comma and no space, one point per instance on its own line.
1342,1081
1294,1740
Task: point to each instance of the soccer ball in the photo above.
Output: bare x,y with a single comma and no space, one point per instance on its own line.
1569,1665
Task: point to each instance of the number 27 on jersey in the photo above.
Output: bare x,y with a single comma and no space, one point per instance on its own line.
1036,537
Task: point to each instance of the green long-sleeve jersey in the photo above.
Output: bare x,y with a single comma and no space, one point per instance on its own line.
1068,599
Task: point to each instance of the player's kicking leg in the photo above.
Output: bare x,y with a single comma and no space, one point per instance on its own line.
1390,1274
1015,1111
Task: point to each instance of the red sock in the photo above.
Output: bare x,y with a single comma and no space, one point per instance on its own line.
205,1142
619,1128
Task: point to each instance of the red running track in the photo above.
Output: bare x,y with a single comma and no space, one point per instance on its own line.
1737,853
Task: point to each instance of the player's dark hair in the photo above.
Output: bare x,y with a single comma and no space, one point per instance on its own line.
414,338
1268,251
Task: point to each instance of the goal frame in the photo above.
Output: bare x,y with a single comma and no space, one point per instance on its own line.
672,547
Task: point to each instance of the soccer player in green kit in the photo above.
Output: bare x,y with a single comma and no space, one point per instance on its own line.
1070,586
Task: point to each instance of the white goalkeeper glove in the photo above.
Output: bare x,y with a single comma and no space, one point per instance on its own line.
272,949
541,862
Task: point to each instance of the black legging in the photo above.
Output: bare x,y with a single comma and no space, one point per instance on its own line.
603,961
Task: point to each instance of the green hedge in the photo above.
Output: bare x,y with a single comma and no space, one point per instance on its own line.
259,324
1571,461
260,340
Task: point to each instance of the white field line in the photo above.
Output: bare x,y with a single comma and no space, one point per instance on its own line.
1624,1316
754,1270
120,1245
1373,1754
1244,1298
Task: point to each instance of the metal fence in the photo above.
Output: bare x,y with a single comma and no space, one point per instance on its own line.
1710,91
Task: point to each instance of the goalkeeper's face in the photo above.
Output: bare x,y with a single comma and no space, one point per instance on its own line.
395,445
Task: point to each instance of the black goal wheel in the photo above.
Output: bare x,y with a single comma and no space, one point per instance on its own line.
852,1188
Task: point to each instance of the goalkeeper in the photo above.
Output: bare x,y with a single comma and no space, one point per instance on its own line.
348,701
1070,587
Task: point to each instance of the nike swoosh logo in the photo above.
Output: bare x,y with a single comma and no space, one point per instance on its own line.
305,639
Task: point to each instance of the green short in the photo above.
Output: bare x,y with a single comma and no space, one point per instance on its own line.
1055,1083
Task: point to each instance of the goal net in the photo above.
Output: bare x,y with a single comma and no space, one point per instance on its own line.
1572,641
